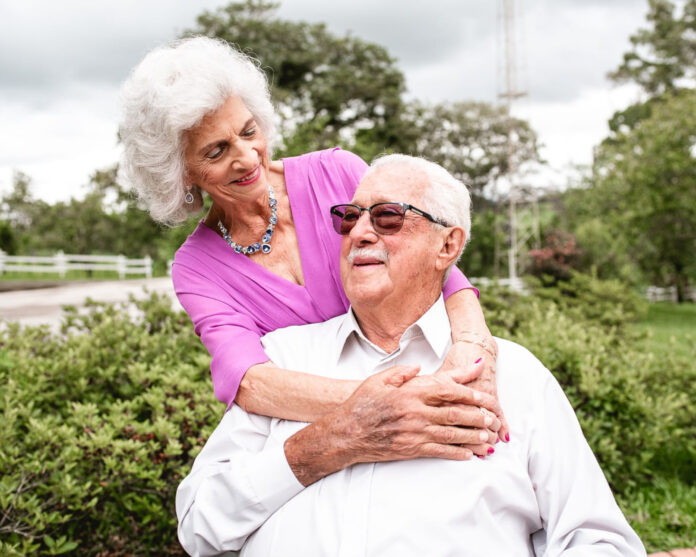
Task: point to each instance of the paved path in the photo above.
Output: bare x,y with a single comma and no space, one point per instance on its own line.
38,306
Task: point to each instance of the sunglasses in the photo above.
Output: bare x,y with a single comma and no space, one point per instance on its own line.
386,218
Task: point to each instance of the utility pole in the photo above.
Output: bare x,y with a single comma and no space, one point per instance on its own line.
509,94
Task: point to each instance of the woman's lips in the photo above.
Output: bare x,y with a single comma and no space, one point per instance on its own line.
248,178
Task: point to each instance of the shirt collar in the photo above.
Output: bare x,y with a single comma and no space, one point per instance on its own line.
433,325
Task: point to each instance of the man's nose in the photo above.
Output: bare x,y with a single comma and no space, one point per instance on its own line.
363,232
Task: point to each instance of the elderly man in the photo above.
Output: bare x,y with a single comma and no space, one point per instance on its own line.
342,485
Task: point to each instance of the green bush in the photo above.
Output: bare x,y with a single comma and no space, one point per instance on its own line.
100,423
99,426
636,409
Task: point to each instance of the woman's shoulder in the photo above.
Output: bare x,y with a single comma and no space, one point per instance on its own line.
333,158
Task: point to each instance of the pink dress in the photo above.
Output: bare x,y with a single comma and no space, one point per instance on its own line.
234,301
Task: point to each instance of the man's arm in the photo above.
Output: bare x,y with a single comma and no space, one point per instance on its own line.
239,479
237,482
578,509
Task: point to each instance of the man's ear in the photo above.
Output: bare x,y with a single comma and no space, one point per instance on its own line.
452,241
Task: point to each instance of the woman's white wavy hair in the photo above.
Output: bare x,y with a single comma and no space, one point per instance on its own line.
169,92
445,197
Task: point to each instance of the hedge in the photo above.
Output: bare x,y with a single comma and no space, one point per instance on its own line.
101,421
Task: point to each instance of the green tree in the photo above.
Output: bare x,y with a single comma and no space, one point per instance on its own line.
644,186
661,60
663,55
329,89
470,139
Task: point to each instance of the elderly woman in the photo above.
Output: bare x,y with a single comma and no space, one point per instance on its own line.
197,118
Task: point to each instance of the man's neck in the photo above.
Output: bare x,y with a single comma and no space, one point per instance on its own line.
385,323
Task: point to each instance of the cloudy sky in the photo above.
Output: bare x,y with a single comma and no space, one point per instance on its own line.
61,64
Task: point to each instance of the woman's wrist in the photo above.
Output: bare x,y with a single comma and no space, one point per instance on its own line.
486,342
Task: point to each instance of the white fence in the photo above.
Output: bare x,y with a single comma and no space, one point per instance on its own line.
516,285
61,263
669,294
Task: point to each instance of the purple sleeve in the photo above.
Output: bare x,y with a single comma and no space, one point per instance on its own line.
456,282
232,337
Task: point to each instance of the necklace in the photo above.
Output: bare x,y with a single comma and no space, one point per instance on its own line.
264,246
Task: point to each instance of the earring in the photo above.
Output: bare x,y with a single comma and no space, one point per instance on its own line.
188,198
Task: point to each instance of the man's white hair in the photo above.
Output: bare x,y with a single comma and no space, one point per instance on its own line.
169,92
443,196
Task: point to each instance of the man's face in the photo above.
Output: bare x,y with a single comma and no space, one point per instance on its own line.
399,266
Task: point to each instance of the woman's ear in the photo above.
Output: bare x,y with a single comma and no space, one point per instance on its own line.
453,240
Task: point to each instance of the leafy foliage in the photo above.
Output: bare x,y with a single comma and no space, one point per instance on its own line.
331,89
99,426
634,408
644,186
101,422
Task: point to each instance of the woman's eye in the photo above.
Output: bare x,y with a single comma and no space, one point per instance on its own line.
214,153
249,132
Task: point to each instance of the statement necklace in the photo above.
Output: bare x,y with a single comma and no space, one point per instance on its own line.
264,246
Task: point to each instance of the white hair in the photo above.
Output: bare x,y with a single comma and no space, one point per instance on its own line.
170,92
444,197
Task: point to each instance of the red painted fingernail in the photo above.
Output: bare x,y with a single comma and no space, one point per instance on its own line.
497,440
477,361
480,456
507,436
491,450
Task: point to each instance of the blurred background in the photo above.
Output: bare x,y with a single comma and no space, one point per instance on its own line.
573,123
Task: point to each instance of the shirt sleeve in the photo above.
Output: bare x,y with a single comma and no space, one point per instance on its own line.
238,481
456,282
232,337
578,510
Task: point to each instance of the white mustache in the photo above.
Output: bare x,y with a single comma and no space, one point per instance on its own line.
380,255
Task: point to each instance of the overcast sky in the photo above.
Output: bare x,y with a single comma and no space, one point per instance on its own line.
61,64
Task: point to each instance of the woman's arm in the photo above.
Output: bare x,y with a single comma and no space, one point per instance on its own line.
472,340
269,390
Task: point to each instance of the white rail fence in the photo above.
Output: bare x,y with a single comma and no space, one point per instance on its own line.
669,294
60,263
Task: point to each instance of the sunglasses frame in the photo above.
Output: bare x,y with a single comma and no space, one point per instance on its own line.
404,206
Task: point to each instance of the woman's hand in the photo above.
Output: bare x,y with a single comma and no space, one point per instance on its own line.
394,415
470,355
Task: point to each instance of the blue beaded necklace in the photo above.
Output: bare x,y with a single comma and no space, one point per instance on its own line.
264,246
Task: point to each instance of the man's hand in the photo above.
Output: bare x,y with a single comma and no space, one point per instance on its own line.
394,415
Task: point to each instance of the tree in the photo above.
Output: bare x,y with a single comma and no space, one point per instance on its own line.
329,89
469,139
644,185
662,58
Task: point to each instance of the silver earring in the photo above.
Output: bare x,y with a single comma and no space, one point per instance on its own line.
188,198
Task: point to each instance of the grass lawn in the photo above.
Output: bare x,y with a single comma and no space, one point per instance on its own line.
671,328
664,514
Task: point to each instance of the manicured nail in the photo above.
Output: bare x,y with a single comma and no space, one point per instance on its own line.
507,437
497,439
477,361
491,450
480,456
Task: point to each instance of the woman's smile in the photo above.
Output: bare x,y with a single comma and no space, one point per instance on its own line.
249,178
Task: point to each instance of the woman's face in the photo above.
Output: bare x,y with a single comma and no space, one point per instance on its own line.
226,154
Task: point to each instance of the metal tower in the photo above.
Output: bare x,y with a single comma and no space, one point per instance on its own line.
508,95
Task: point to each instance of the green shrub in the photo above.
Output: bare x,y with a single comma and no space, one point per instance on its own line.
100,423
98,428
634,409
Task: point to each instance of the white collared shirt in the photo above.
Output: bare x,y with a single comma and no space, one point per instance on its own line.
541,494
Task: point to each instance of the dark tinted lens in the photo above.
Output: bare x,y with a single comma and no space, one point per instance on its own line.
344,218
387,218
